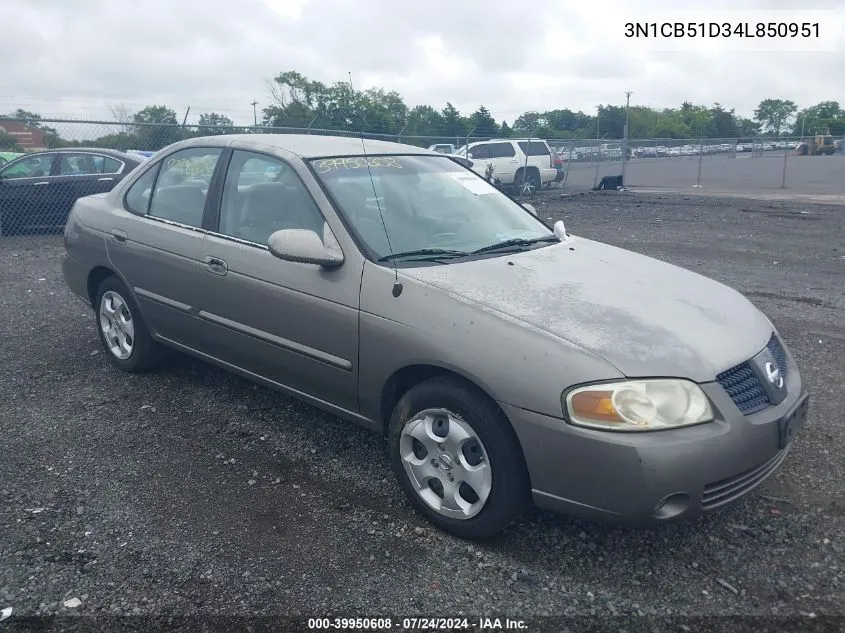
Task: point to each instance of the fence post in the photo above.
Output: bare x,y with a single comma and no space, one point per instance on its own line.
783,177
700,158
568,164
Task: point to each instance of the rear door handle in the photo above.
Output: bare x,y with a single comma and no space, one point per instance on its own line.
216,265
119,236
104,179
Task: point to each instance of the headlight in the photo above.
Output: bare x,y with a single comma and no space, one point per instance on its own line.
638,405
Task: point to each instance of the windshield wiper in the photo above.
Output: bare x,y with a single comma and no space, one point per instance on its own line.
515,242
424,253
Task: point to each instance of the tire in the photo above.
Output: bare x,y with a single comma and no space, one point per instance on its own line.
482,447
129,346
528,182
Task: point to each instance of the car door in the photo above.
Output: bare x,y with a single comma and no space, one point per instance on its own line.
78,175
480,156
24,196
293,323
155,241
505,161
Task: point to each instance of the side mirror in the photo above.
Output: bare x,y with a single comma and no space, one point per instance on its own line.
306,247
560,231
469,155
530,207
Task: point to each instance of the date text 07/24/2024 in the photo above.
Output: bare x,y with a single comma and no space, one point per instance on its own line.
416,624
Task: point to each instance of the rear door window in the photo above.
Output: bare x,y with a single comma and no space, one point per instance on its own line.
534,148
501,150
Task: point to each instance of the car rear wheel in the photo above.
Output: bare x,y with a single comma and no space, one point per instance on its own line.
528,182
457,458
122,330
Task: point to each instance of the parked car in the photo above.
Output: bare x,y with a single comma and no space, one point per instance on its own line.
5,157
144,154
523,164
37,190
503,360
443,148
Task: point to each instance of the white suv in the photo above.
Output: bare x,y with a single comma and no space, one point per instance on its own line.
527,165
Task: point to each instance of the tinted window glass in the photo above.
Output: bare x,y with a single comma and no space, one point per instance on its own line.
480,151
501,150
182,185
534,148
80,164
263,195
138,196
30,167
107,165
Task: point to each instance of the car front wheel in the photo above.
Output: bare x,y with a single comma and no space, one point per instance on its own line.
122,330
457,458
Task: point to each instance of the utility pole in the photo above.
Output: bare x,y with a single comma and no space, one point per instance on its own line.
625,138
254,113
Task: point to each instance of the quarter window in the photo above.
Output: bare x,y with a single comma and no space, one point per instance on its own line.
262,195
138,196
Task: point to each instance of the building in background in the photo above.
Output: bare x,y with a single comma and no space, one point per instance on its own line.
29,139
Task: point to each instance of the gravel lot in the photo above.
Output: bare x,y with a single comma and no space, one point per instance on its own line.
191,491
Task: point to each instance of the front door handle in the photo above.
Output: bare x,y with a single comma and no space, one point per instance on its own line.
216,265
119,236
39,184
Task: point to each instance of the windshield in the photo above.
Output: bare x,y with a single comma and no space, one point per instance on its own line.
427,202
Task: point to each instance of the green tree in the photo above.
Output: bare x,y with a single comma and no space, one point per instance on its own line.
453,123
30,119
774,114
121,141
484,123
822,117
8,143
213,124
156,127
723,122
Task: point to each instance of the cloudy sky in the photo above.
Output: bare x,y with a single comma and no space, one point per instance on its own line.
76,58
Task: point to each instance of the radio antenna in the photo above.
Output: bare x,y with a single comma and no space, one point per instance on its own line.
397,287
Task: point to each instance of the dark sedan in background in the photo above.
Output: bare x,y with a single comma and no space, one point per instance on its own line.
37,190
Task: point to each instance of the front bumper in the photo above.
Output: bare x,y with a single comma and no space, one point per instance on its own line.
661,475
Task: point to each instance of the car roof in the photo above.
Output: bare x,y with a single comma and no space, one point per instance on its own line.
307,145
75,150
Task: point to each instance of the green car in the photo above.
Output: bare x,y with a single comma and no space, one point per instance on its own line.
6,157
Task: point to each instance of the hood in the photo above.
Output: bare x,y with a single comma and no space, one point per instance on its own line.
642,315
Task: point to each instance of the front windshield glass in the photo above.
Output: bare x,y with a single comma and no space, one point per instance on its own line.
427,202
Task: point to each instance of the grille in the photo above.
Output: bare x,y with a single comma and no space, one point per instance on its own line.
721,492
742,384
744,389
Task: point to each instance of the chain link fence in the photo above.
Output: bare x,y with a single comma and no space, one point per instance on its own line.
46,165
